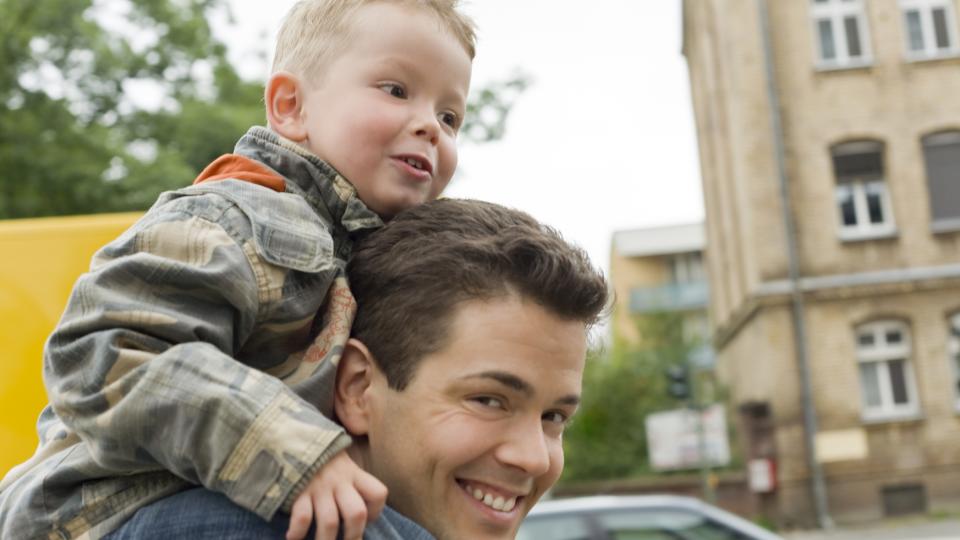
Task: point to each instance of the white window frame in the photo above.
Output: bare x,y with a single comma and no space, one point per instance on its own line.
836,11
953,356
928,35
687,268
863,229
880,353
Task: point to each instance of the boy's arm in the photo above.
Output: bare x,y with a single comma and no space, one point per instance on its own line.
141,366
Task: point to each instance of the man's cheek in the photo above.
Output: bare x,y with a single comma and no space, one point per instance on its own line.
559,467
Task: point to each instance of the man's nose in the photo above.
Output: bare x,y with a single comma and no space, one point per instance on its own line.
525,446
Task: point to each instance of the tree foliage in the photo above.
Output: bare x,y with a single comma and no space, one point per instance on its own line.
607,438
76,133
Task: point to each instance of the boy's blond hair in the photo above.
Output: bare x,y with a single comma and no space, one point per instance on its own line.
314,29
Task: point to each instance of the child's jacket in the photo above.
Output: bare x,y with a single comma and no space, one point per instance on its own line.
179,358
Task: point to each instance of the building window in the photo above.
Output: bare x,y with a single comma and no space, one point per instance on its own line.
941,154
842,37
887,386
862,198
687,268
953,349
930,28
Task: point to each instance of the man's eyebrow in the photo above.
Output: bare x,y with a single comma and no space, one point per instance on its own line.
506,379
516,383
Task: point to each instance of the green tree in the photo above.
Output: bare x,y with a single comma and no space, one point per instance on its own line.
74,140
607,438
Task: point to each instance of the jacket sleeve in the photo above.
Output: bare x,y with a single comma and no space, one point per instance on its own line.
142,366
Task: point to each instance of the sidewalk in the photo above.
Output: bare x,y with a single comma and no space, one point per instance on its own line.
916,528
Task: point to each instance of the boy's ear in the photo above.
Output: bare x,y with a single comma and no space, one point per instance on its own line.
284,97
355,376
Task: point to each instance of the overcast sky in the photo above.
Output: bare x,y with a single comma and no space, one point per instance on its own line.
603,140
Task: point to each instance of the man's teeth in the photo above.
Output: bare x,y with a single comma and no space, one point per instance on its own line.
414,163
497,503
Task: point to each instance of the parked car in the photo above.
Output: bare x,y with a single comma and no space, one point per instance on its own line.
640,517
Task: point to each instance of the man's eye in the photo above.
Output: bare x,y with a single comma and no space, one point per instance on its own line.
555,417
394,90
489,401
450,119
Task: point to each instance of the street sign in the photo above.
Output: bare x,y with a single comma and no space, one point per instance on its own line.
673,438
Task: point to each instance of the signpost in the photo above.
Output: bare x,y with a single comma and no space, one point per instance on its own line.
674,441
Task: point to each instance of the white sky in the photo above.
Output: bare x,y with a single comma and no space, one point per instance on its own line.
603,140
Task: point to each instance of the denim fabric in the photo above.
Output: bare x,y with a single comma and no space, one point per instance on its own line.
201,514
198,514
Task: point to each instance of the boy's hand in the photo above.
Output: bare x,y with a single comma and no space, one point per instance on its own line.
340,489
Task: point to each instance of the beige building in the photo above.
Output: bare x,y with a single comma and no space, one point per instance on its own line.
659,269
855,109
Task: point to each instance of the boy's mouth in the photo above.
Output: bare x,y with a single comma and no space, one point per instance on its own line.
417,162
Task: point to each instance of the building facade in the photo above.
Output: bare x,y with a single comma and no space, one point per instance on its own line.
851,106
659,269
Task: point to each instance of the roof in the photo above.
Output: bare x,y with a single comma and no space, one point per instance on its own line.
665,240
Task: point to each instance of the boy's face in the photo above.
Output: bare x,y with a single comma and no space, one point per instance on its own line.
386,110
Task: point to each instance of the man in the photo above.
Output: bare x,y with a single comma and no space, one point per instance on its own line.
464,366
466,363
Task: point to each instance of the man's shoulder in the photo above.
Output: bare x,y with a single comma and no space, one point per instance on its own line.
391,525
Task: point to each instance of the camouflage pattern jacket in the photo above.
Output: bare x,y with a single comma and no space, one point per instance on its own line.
182,355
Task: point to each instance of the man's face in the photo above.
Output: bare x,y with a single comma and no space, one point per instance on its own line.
386,110
474,440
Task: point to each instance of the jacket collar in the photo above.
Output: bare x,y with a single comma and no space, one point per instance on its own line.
309,176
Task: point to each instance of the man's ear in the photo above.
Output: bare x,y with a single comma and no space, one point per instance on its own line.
284,97
355,376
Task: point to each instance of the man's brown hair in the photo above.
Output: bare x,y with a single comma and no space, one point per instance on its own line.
410,276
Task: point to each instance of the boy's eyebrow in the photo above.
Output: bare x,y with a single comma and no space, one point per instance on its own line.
398,61
516,383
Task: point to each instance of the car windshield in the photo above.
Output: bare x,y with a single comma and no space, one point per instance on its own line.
554,527
665,524
627,524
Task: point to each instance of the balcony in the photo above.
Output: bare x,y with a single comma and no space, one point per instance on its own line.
673,297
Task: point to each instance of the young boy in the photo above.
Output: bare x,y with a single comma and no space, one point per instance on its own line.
176,363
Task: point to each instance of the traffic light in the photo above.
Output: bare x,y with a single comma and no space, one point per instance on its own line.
678,381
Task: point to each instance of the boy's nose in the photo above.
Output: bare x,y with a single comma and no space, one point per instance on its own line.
429,133
427,126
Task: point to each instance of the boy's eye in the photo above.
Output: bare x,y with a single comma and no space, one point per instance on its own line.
394,90
450,119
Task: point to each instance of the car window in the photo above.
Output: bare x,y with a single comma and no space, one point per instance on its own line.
656,524
554,527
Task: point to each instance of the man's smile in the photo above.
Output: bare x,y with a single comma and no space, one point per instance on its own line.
497,499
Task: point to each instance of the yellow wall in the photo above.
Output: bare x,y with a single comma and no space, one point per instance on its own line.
39,261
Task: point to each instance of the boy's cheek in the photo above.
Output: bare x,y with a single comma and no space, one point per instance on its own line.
446,175
438,190
440,186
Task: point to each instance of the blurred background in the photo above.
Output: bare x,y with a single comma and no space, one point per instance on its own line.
772,186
